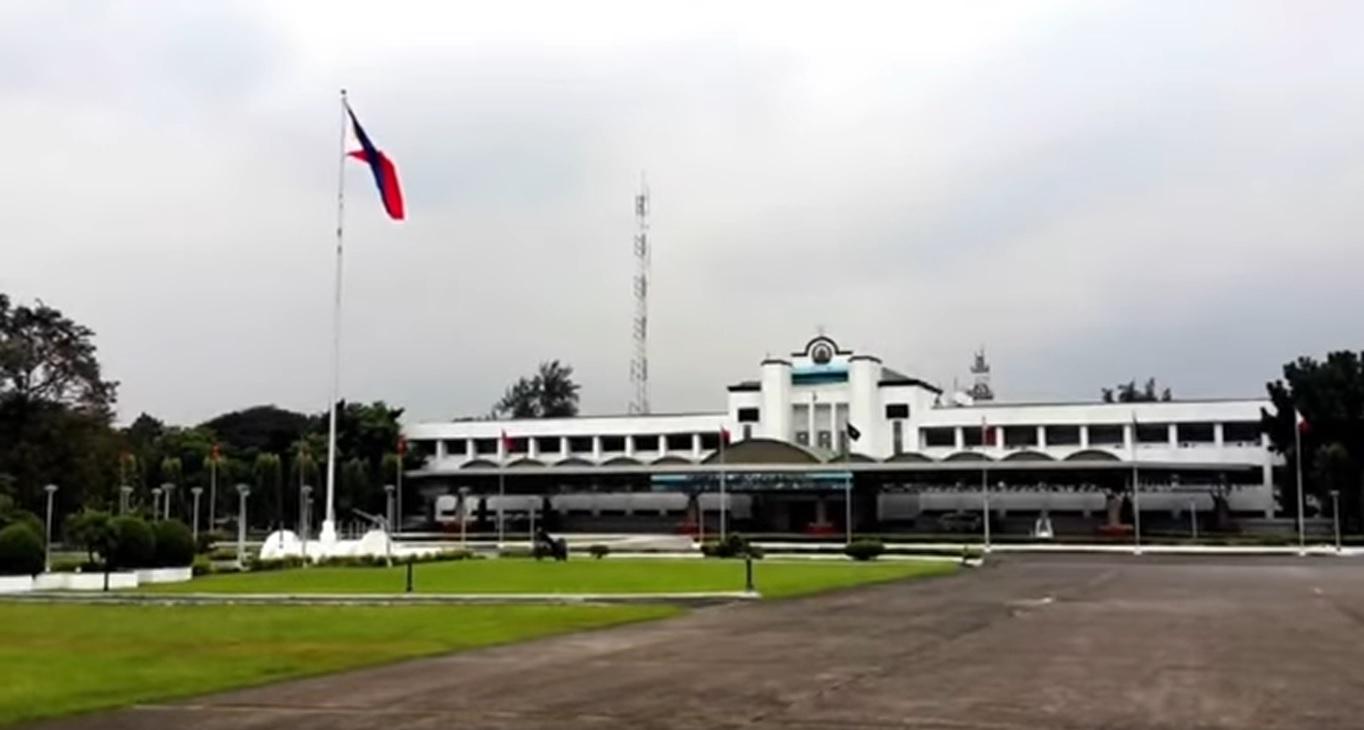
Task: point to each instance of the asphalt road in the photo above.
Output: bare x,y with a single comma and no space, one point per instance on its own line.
1027,642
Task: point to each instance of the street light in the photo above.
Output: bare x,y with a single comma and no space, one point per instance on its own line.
124,493
388,506
196,491
168,488
1335,515
156,501
1193,518
243,490
51,490
305,505
463,516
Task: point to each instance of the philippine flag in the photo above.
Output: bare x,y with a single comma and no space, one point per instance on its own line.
385,174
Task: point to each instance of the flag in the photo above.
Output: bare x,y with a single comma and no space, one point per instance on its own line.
506,442
217,453
724,436
402,446
853,433
1300,422
385,174
987,433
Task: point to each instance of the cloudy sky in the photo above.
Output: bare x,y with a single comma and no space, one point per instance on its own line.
1095,191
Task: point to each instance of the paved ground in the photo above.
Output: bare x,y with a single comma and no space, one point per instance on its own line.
1027,642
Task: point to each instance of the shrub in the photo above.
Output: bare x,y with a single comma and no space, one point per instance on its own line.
864,549
733,546
21,550
71,565
255,564
599,551
90,530
132,545
174,545
519,552
201,566
208,541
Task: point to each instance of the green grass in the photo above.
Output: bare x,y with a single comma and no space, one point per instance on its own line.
773,579
57,659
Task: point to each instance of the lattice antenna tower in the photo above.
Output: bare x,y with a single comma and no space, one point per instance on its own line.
639,363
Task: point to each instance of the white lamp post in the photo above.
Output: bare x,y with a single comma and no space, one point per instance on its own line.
168,488
463,516
389,491
305,508
1335,514
196,491
51,490
243,490
156,502
125,492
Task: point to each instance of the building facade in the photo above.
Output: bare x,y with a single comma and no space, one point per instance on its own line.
826,429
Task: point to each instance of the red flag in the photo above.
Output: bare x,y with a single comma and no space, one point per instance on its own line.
724,436
987,434
1300,421
402,446
385,174
217,453
506,442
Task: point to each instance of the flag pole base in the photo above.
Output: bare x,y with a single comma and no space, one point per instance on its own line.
328,534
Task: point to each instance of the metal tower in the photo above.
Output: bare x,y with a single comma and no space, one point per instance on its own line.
980,389
639,363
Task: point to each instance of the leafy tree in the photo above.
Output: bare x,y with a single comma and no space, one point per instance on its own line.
46,357
21,551
1129,393
1330,396
90,529
260,428
549,393
356,488
269,480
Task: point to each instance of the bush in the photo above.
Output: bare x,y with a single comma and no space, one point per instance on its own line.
201,565
208,540
174,545
864,549
255,564
21,550
733,546
90,531
133,545
520,552
599,551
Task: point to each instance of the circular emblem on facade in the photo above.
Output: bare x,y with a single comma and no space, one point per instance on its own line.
821,353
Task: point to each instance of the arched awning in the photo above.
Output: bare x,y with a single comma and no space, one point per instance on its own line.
764,451
1093,455
479,464
622,461
1028,455
527,462
968,456
573,461
664,460
909,456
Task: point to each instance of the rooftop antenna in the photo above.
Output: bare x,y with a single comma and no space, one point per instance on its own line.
639,363
980,389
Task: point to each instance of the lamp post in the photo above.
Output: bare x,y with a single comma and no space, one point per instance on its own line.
1335,515
305,503
1193,518
389,491
124,493
156,502
463,517
196,491
243,490
168,488
51,490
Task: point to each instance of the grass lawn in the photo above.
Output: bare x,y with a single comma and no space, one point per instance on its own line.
773,578
57,659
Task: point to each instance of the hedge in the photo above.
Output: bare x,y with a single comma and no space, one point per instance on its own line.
21,550
134,544
174,544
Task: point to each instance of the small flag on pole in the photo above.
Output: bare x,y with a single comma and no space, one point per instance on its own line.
507,442
1300,421
853,433
385,174
987,433
724,436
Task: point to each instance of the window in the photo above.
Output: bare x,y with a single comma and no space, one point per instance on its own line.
897,410
748,415
826,440
803,438
548,444
1063,435
971,436
1105,436
1153,433
710,441
940,436
1241,432
897,437
1019,436
614,444
456,447
646,443
485,446
580,444
679,441
1198,433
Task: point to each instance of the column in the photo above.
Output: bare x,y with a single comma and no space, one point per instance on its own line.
469,452
696,446
1084,436
1217,436
810,416
1173,436
1042,437
630,445
596,448
440,449
959,437
532,447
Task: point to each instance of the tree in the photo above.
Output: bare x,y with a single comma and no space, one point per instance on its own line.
1330,396
90,530
549,393
260,428
270,485
1129,393
47,358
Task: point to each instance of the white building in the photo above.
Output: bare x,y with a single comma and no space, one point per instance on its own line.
917,453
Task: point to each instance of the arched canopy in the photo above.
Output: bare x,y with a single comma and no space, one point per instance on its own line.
968,456
622,461
1028,455
672,460
573,461
479,464
1093,455
527,461
764,451
909,456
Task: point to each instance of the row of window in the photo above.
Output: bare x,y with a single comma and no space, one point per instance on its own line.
1099,435
520,445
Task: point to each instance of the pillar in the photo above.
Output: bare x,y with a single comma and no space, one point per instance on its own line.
864,374
776,399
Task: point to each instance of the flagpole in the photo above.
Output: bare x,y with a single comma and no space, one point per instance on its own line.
985,484
723,526
847,487
1297,457
328,535
1136,492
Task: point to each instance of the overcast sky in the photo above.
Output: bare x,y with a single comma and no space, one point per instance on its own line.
1095,191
